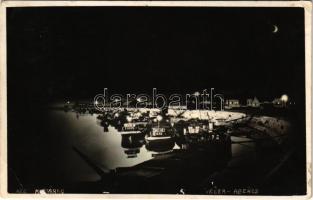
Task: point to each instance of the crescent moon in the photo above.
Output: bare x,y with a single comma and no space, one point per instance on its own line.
275,29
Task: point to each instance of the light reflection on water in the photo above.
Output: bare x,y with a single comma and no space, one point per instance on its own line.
106,149
103,148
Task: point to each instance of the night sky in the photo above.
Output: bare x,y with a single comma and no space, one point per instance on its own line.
76,52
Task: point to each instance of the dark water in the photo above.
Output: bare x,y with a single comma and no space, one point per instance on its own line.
86,134
50,161
57,162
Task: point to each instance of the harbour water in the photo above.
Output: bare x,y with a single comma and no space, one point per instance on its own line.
104,148
57,164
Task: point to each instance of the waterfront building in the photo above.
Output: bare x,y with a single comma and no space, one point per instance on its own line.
277,102
253,102
232,103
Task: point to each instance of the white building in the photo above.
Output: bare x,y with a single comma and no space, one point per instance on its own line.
253,102
232,103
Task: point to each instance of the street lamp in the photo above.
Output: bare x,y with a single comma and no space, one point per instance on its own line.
284,98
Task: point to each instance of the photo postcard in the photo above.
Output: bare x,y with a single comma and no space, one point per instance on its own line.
183,99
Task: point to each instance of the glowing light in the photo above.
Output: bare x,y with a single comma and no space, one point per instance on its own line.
159,117
284,98
96,102
197,93
129,119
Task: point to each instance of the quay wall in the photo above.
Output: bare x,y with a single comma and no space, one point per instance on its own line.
272,126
